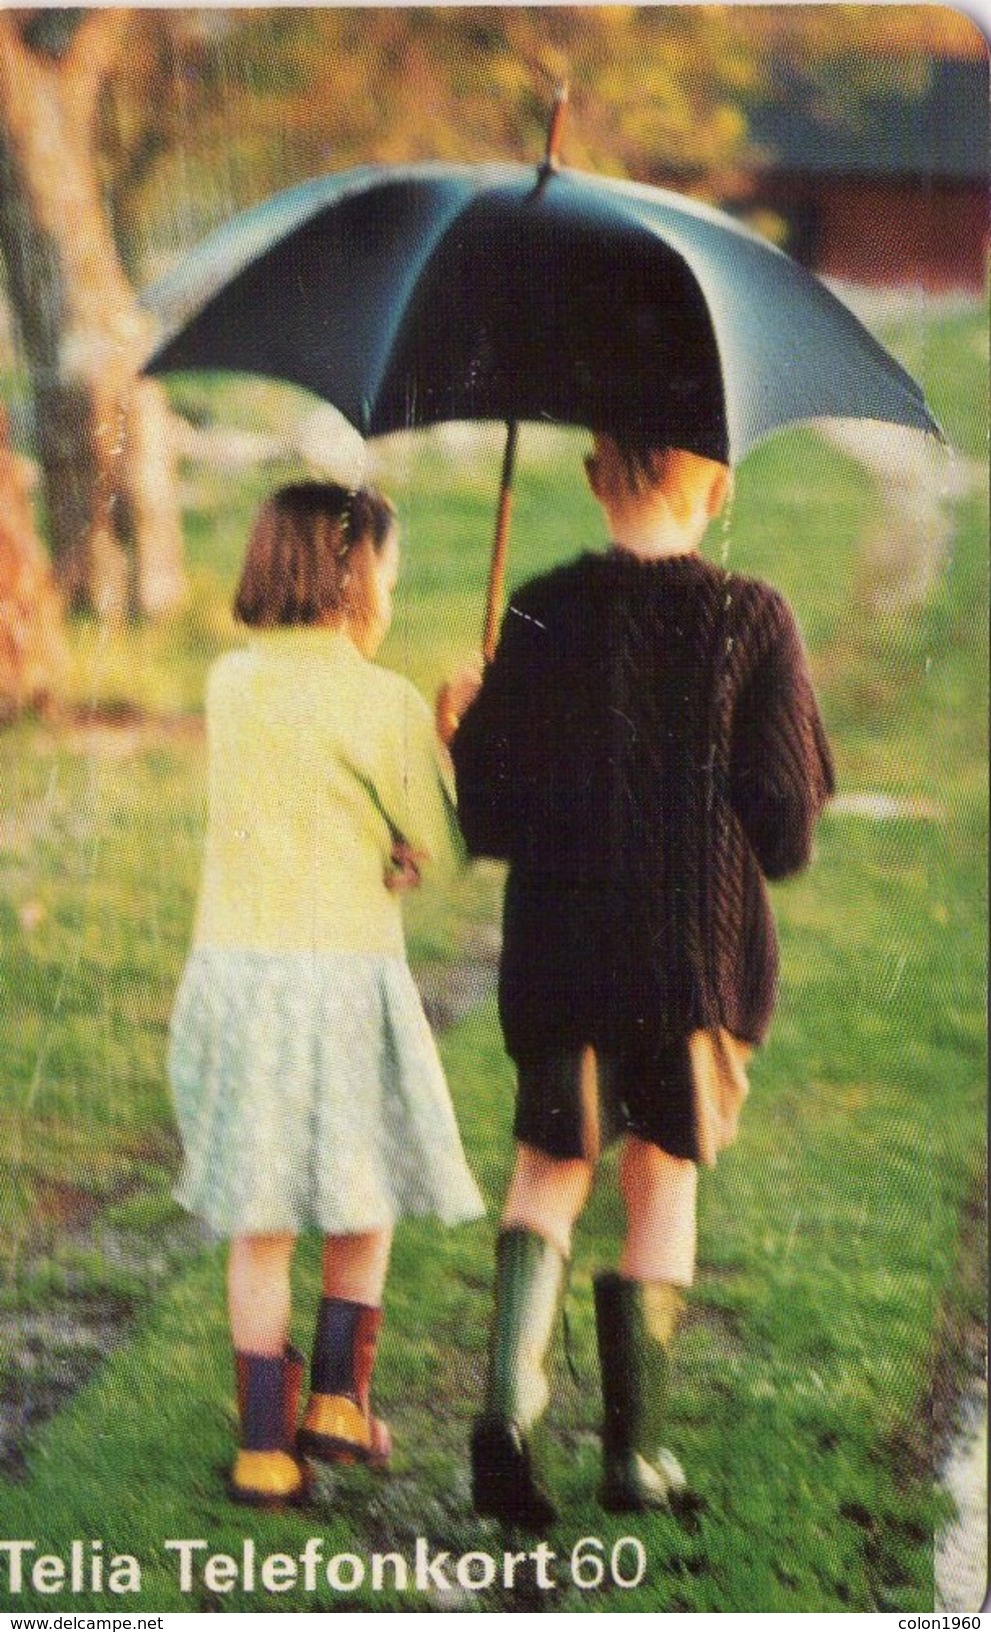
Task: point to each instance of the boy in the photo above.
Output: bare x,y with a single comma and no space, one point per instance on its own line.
644,751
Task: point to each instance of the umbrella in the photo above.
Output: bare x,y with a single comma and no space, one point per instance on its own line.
412,295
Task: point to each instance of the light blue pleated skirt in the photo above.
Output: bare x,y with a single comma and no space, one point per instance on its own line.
309,1094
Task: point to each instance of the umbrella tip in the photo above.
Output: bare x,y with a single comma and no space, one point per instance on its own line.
552,153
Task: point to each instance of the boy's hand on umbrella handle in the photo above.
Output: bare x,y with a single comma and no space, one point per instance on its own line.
404,870
453,698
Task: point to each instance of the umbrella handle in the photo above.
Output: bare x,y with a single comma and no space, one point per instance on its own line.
497,567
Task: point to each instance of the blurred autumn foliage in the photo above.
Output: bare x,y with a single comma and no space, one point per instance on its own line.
218,108
127,133
32,646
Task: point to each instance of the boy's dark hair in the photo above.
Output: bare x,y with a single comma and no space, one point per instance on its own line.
639,457
310,554
640,460
647,464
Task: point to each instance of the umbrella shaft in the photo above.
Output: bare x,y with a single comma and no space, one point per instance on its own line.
497,569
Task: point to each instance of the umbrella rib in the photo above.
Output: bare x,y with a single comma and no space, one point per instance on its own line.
429,244
232,247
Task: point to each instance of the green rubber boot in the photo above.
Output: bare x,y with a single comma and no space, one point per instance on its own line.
635,1323
508,1481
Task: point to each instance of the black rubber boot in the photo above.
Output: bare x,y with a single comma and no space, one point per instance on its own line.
507,1473
635,1323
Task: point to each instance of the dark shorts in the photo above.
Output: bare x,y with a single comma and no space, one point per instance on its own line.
573,1104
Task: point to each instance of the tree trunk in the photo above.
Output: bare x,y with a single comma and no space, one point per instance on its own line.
33,652
108,474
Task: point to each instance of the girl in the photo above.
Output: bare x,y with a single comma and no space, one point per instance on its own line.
644,750
308,1089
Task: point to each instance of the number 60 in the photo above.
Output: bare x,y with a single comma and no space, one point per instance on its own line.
588,1566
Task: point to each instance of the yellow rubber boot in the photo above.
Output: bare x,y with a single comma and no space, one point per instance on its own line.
267,1472
338,1423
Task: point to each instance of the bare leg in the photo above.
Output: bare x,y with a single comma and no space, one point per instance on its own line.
546,1195
659,1194
259,1292
355,1266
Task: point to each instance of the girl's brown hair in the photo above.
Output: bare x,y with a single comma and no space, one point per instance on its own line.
310,556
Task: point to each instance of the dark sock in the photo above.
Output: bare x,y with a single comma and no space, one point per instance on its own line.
332,1371
264,1427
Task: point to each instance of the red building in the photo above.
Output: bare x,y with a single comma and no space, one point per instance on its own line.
893,191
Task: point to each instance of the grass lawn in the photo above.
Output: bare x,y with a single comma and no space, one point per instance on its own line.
827,1329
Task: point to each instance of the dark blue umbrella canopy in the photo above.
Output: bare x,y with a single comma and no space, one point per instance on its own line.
413,295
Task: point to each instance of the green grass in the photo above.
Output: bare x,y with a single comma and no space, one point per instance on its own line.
831,1287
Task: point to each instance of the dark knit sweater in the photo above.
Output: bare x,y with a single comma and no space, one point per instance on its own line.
645,749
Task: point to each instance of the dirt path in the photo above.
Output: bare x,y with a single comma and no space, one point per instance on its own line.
961,1560
907,548
960,1422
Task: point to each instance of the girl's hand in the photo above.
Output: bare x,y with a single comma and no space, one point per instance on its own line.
453,698
404,871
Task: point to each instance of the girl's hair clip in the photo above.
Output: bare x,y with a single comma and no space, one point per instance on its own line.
344,522
346,519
